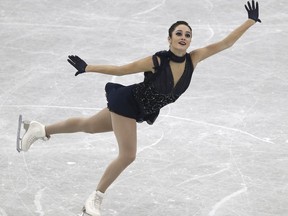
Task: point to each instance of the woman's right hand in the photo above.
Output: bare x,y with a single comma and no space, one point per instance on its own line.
78,63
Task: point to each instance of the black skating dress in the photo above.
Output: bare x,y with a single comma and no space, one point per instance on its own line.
144,100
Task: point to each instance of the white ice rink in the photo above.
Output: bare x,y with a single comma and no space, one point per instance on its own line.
220,150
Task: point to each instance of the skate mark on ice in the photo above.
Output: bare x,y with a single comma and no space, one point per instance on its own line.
235,164
224,200
49,106
203,176
37,202
59,26
151,9
153,144
223,127
27,175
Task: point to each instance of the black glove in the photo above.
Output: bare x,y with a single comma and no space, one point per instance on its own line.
253,12
78,63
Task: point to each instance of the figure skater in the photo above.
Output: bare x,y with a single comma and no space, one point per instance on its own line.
167,76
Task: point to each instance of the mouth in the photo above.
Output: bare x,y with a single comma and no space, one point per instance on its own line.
182,43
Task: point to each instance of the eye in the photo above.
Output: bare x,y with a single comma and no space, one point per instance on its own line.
188,35
178,33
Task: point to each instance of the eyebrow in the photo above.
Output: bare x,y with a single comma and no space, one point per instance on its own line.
182,31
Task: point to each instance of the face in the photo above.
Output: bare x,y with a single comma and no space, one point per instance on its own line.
181,38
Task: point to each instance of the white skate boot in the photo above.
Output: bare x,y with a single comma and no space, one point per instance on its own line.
93,204
34,131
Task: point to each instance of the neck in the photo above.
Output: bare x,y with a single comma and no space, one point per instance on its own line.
177,52
177,58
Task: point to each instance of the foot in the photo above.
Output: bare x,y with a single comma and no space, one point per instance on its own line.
93,204
34,132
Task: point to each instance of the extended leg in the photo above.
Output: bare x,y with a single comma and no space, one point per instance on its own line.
101,122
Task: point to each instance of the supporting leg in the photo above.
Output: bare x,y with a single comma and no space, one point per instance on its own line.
125,132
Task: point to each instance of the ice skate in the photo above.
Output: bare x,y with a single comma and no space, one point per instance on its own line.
93,204
33,131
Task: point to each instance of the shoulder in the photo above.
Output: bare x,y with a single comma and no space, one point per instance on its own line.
159,58
200,54
162,53
195,57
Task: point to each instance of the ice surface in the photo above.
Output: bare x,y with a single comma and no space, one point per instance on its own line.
221,150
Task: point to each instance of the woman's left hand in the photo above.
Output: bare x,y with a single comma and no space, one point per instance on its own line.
253,11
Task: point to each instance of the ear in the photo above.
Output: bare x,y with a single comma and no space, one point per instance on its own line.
169,40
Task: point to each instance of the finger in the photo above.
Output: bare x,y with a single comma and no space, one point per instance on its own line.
246,8
73,58
257,6
249,5
77,73
70,59
253,5
71,62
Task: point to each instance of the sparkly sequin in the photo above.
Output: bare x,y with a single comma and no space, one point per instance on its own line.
157,90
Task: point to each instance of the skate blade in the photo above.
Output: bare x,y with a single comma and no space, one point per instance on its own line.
84,213
19,138
18,147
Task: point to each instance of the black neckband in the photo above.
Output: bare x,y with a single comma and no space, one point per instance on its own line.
175,58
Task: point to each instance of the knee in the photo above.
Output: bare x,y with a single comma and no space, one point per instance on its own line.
87,127
132,158
127,159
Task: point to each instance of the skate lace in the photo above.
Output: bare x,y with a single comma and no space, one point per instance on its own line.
31,140
97,201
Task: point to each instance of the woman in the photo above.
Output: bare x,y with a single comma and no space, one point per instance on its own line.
167,76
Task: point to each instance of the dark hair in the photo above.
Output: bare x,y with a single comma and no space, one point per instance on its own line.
173,27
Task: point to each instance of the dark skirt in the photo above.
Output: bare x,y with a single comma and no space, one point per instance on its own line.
121,101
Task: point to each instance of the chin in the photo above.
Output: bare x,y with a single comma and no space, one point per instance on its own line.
182,49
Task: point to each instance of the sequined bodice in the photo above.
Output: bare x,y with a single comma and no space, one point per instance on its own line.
157,90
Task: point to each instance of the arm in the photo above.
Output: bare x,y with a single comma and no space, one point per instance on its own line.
203,53
145,64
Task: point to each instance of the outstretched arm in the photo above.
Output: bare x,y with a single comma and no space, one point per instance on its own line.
205,52
145,64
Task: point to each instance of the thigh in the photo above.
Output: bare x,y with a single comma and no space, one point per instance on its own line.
125,130
100,122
